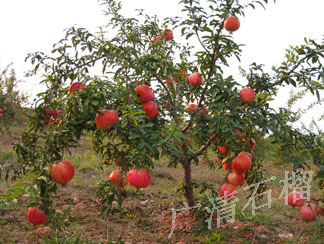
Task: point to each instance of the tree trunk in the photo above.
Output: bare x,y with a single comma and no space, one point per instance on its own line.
187,185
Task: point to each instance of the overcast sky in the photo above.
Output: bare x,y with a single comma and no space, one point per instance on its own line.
35,25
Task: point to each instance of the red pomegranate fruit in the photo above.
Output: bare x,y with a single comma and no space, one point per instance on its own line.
232,23
118,179
235,179
227,191
36,216
241,163
306,213
150,109
106,118
225,165
139,178
76,86
62,172
247,154
222,149
144,93
296,199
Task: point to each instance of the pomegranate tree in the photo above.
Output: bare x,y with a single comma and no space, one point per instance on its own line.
11,100
129,110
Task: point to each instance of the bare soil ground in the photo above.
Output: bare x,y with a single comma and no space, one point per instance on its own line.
146,216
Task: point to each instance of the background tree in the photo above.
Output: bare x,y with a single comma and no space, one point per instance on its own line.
11,99
87,73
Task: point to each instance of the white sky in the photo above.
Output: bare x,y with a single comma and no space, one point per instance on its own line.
35,25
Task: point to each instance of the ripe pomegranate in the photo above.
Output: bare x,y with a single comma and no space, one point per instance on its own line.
195,79
1,116
191,107
232,23
203,110
144,93
2,111
76,86
222,149
155,38
106,118
296,199
247,95
225,165
139,178
150,109
62,172
167,34
241,163
235,179
36,216
247,154
227,191
115,176
118,179
306,213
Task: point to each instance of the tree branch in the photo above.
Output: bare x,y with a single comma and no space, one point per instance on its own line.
208,77
296,66
169,95
204,147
